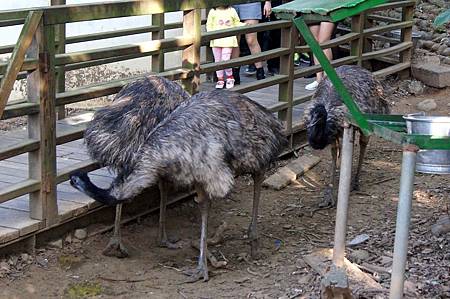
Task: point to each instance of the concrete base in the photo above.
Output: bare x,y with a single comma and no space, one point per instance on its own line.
434,75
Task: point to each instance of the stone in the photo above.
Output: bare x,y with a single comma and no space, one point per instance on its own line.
68,239
56,244
415,87
435,47
427,44
359,255
24,257
441,49
446,52
432,74
80,233
289,173
427,105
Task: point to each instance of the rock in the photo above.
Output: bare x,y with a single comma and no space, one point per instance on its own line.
427,105
25,257
427,44
441,49
5,267
435,47
41,261
435,75
359,255
446,52
68,239
80,233
56,244
415,87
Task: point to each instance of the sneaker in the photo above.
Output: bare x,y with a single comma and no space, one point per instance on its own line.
260,73
296,59
220,84
312,86
251,69
230,83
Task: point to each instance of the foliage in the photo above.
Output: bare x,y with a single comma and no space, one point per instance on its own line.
83,290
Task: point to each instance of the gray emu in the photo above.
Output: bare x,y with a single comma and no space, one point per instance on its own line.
116,133
204,143
326,116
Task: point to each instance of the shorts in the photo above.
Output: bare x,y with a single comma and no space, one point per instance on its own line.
249,11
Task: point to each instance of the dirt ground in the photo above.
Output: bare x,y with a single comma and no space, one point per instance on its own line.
288,231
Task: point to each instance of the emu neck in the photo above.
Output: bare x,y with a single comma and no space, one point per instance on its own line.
101,195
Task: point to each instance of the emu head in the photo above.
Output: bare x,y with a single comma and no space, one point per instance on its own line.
317,127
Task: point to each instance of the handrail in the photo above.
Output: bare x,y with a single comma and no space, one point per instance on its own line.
18,56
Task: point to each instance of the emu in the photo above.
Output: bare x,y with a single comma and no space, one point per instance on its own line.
326,116
203,144
117,132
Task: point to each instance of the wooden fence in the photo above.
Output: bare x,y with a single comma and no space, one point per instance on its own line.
39,56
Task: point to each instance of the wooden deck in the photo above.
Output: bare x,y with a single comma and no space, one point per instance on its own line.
15,221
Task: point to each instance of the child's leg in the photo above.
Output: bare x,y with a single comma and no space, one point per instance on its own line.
226,55
217,52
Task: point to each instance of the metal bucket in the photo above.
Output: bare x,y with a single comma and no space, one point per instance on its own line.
430,161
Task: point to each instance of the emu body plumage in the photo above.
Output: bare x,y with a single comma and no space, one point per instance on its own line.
326,115
117,132
204,143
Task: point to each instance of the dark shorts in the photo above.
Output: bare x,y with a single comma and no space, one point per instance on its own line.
249,11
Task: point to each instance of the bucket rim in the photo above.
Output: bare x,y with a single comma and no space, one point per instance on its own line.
427,118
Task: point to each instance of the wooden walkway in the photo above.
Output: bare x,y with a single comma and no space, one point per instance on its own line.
15,221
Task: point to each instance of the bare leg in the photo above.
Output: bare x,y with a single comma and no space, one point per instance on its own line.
252,41
252,231
115,246
329,197
363,141
324,34
202,269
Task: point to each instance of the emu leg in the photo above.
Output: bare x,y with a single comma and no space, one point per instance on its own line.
115,246
252,231
162,235
330,193
202,269
363,141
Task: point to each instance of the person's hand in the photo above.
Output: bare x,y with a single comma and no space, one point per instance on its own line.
267,9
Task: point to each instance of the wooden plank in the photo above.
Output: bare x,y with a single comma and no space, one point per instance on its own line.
392,69
331,43
19,174
21,203
8,234
28,64
304,72
19,220
191,54
274,80
19,109
41,89
114,9
386,28
158,59
392,5
18,56
387,51
149,48
19,189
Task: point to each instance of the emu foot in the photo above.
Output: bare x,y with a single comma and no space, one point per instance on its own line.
329,199
170,243
201,272
116,248
254,248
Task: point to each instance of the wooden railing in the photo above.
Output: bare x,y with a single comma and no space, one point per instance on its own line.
40,57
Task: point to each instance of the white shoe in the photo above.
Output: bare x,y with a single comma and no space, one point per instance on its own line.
220,84
230,83
312,86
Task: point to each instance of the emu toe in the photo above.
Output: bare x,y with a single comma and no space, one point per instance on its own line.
115,248
329,199
201,272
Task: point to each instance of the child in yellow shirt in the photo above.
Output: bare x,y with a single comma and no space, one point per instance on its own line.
223,17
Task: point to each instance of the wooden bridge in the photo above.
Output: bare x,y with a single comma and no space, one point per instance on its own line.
35,162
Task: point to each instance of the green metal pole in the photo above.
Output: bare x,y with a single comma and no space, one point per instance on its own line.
359,118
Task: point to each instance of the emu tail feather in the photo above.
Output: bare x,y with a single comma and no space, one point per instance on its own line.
83,183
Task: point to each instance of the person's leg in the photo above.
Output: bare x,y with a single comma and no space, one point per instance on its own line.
253,44
217,52
226,55
315,32
325,32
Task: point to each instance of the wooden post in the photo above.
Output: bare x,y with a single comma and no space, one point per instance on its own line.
209,57
367,43
158,60
42,126
289,39
357,44
60,33
406,36
191,55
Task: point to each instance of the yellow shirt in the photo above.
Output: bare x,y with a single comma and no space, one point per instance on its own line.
223,19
